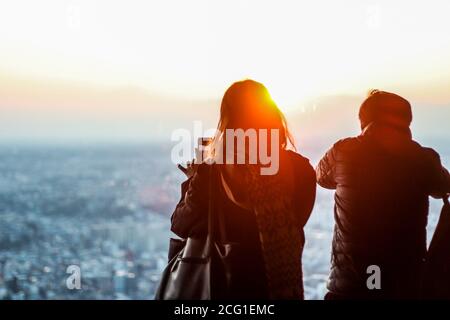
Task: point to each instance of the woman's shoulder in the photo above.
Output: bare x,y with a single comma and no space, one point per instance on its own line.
297,159
301,165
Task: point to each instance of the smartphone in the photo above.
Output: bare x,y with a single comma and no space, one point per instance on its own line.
183,169
201,152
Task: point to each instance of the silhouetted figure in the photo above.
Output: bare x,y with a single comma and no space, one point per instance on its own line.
382,179
264,214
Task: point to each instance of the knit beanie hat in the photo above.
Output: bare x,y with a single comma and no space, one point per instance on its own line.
387,108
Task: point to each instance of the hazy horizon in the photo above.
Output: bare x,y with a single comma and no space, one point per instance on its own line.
327,117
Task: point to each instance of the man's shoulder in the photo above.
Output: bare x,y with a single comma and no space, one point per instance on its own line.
426,153
347,144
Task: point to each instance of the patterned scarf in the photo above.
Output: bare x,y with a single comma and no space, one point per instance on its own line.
271,199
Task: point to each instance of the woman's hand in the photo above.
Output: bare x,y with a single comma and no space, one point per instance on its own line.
191,168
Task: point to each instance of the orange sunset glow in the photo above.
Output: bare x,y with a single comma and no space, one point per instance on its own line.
87,64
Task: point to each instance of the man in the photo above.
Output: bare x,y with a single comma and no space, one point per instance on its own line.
382,180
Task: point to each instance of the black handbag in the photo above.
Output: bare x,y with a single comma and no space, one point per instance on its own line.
436,279
203,268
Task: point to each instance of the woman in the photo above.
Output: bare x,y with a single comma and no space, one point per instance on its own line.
264,214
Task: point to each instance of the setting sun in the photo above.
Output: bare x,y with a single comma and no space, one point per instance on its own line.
148,52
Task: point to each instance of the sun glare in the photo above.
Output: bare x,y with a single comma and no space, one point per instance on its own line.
196,49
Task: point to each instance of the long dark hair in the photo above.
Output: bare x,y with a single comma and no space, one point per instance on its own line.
247,105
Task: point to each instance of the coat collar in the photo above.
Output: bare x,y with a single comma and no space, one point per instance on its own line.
382,130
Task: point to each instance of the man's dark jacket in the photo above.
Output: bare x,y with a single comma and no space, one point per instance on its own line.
382,180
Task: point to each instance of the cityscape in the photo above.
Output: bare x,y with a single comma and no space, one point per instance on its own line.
62,207
107,210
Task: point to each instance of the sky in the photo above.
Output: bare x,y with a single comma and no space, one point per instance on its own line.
87,70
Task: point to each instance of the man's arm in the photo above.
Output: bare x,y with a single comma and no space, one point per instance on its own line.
325,170
439,177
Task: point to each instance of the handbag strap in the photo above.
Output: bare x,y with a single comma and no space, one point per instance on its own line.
210,236
230,194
